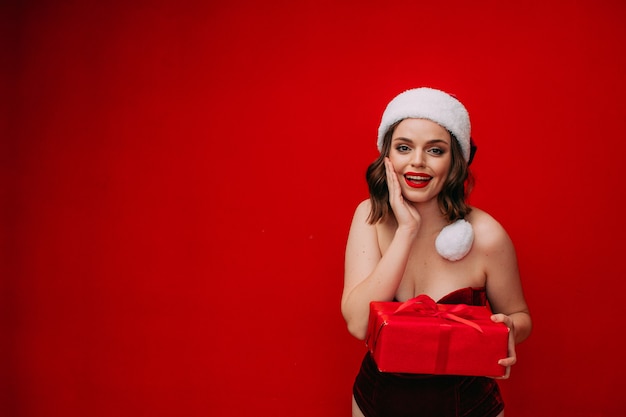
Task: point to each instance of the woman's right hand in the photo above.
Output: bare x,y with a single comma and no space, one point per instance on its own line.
370,273
405,213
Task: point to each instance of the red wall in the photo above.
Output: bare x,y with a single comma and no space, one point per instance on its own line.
179,178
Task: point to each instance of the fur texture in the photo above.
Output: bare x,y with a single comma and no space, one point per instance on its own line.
455,240
431,104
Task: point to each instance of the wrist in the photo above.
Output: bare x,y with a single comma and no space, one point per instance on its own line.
407,231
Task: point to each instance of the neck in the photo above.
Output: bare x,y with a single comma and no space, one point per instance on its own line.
432,218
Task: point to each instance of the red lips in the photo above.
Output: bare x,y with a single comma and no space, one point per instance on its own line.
417,179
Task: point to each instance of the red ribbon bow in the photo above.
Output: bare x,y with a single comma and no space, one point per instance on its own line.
426,306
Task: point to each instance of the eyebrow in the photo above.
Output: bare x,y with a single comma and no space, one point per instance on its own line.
429,142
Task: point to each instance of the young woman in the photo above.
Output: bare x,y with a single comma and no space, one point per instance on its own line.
416,234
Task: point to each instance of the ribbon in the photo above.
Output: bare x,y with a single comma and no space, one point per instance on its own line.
426,306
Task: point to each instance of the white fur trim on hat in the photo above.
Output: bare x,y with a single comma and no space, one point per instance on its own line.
455,240
431,104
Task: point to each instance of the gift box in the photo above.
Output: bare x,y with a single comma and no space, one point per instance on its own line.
423,337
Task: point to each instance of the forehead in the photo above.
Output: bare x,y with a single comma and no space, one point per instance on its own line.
420,129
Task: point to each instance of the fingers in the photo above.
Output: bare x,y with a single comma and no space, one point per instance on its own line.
392,180
502,318
508,362
406,215
512,359
507,373
395,192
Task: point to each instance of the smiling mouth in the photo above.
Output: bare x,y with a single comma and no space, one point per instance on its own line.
417,180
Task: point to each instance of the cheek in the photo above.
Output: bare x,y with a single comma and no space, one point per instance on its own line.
398,166
396,160
443,167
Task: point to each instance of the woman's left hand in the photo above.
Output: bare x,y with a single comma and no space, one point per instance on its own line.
510,361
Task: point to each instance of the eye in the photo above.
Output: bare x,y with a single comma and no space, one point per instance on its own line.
403,148
436,151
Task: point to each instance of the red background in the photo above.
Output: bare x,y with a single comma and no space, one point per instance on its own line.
179,178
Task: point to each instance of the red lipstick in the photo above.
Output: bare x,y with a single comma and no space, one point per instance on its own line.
417,179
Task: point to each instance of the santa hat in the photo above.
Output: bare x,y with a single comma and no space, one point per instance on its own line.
431,104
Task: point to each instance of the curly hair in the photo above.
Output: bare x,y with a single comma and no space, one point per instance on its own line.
452,199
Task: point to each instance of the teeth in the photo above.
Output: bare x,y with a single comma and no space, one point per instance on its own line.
416,178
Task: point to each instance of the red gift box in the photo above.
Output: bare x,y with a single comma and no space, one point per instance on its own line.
423,337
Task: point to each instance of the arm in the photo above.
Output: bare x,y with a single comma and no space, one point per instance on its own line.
504,288
370,275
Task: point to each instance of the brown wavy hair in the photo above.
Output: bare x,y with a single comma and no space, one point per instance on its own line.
452,199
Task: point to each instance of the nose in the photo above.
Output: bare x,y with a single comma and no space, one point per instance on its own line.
417,159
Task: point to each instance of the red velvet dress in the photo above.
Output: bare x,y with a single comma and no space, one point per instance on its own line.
380,394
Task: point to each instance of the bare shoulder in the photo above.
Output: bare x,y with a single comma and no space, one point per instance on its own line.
488,232
361,214
363,208
362,250
383,227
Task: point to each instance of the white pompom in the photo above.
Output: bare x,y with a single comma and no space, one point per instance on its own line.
455,240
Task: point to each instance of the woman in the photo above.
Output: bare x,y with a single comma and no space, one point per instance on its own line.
417,235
